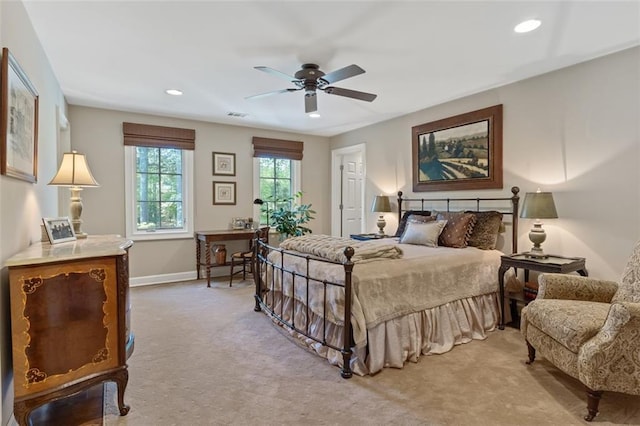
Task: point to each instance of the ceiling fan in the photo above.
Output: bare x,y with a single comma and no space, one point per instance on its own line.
310,78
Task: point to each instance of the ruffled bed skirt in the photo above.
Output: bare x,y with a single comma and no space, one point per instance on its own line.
394,342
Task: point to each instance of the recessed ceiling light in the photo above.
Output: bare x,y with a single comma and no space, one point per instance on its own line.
314,115
526,26
173,92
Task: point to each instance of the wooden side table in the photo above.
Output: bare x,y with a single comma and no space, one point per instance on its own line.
552,263
207,237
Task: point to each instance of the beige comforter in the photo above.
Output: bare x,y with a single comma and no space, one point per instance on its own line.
385,289
332,248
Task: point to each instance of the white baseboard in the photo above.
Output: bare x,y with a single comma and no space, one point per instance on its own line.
162,279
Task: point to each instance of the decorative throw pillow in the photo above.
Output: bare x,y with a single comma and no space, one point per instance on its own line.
458,229
425,234
416,218
403,221
485,232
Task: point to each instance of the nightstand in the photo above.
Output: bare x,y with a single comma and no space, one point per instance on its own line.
365,237
551,263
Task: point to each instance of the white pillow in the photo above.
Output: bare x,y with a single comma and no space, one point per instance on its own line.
425,234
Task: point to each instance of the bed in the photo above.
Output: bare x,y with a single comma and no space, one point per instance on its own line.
401,300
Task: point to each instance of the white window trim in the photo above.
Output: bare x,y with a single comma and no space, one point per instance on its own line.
296,180
130,202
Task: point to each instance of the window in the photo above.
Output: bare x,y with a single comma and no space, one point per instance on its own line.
278,178
276,171
159,189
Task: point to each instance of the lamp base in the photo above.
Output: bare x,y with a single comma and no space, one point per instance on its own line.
381,224
535,255
537,237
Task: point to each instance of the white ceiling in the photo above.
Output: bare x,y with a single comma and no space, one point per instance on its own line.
124,54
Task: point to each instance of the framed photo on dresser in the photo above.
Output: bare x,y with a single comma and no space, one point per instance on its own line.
59,229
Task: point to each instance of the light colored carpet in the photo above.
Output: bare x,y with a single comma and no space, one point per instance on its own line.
204,357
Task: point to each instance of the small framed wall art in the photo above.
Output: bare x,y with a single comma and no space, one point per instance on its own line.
19,121
224,193
59,229
224,164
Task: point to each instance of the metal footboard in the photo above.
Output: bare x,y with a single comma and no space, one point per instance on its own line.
265,271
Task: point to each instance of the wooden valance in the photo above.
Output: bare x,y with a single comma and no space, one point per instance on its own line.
277,148
158,136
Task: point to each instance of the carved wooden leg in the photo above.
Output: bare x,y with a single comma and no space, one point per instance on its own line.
593,400
21,412
532,353
121,378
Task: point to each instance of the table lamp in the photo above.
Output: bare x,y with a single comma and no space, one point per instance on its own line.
260,202
538,205
74,172
381,204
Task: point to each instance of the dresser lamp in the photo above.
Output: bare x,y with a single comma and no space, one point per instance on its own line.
538,205
381,204
74,172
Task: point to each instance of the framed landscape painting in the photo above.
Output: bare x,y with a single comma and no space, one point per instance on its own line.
460,152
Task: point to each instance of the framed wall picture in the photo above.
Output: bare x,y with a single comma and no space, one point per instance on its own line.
59,229
460,152
19,121
224,164
224,193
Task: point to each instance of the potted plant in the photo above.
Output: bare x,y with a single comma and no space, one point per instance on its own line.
289,217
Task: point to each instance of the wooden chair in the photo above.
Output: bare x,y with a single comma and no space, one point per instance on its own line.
245,258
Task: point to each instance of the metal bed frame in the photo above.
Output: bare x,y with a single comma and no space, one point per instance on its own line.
265,286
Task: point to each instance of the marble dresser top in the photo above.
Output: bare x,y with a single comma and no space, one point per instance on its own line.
92,246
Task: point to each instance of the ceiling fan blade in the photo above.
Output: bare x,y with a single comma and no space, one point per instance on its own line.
271,93
276,73
310,103
363,96
342,73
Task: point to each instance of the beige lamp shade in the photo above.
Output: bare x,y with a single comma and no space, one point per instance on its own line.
538,205
381,204
74,171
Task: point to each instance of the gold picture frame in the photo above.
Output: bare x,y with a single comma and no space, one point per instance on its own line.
19,121
460,152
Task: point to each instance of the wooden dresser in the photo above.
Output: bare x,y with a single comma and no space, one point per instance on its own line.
70,320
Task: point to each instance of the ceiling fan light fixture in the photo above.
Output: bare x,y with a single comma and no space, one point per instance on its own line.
527,26
173,92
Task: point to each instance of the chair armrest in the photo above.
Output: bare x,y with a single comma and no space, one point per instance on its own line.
575,287
611,359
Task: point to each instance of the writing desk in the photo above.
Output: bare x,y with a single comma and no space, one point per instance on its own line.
208,237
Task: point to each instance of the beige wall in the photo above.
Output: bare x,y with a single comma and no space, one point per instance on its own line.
98,134
574,132
24,204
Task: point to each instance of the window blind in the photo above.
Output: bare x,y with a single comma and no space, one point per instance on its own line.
277,148
158,136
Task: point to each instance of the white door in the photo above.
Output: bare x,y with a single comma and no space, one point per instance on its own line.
348,178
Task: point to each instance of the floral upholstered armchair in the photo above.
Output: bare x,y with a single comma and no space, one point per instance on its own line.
590,329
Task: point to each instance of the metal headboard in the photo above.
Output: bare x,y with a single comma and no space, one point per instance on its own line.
515,201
